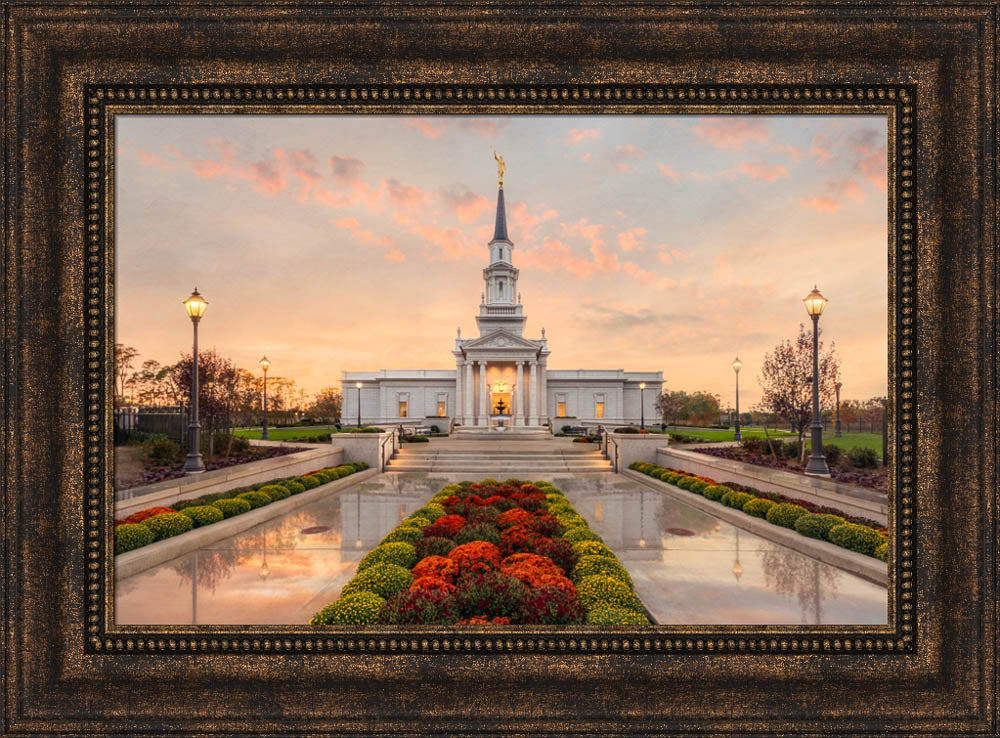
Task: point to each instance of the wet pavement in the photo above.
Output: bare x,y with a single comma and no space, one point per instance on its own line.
689,567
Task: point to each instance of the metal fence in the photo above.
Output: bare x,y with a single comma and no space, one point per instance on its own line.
170,421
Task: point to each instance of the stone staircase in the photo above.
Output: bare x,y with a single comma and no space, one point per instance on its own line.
499,461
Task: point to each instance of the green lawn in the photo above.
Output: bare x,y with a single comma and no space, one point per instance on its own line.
727,435
850,440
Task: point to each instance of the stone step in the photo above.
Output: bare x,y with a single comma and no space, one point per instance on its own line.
497,466
505,470
507,455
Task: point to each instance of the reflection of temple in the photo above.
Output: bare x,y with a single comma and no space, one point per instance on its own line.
625,518
501,374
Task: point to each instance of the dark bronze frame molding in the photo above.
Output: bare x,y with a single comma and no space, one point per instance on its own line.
70,68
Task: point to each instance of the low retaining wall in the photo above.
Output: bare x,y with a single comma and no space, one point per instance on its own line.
171,490
635,447
852,500
137,561
866,567
366,447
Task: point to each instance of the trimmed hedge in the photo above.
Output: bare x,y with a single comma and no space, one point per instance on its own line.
758,507
362,608
785,514
385,580
168,525
131,536
601,589
714,492
407,533
275,491
591,565
856,537
203,514
398,552
817,526
256,499
232,507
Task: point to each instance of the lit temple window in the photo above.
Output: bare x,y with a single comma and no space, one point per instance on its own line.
598,409
402,408
561,409
441,409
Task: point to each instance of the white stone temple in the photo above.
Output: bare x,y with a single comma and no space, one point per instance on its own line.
501,380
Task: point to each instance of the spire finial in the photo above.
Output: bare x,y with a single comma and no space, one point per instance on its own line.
501,166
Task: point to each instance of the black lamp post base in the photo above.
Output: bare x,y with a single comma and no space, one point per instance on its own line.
195,464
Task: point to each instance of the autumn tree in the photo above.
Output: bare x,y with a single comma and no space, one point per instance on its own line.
125,356
670,405
222,390
697,407
327,404
786,381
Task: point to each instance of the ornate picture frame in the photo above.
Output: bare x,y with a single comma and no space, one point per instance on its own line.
70,69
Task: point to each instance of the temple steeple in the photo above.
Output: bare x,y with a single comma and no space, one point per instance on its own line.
500,229
500,307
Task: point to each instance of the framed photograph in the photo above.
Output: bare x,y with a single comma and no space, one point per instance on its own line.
426,370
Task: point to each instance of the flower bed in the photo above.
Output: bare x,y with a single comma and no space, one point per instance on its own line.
841,472
258,453
156,523
489,553
808,519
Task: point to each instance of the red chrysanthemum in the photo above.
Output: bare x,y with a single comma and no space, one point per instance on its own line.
529,560
433,584
483,620
476,552
445,527
439,567
138,517
517,516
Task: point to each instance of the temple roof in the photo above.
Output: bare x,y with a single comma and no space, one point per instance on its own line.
500,230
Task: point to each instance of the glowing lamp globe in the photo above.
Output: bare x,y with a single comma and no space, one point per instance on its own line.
815,302
195,305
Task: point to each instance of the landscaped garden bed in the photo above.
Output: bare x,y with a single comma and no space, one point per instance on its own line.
489,553
158,523
815,521
858,466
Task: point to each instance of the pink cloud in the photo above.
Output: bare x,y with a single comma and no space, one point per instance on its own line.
346,170
152,159
667,170
723,270
301,165
849,188
425,127
524,223
823,204
761,170
395,256
585,230
404,195
453,244
669,255
792,152
576,135
624,154
264,177
631,239
821,148
645,276
872,163
467,206
731,133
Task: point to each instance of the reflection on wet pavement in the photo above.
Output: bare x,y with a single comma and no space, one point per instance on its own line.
689,567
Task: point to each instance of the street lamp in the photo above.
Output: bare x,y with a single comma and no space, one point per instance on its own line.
642,407
358,385
264,364
815,302
737,365
836,427
195,306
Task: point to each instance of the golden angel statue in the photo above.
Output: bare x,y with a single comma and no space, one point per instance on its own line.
501,166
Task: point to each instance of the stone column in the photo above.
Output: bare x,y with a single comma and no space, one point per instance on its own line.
533,394
519,411
457,410
468,394
484,413
543,391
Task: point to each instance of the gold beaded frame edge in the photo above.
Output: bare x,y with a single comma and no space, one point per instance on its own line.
103,102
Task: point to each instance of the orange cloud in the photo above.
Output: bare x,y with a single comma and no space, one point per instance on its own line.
760,170
873,162
576,135
425,127
645,276
346,170
404,195
395,256
630,240
731,133
667,170
669,255
624,154
823,204
467,206
821,148
152,159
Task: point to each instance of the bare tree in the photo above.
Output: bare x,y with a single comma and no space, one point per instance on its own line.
124,357
786,381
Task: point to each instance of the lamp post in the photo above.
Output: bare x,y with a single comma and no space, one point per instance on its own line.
642,406
815,302
264,364
358,385
836,426
737,365
195,306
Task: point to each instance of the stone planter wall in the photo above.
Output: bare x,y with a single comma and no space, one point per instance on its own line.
635,447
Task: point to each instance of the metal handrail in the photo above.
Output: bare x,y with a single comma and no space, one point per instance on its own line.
605,440
391,437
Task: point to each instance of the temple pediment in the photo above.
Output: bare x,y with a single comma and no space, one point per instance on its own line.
501,339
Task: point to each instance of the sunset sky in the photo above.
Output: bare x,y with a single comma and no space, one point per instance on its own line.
670,243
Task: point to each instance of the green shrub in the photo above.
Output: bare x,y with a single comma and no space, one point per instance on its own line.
399,552
256,499
232,507
790,449
758,507
832,453
362,608
418,522
735,499
698,486
785,514
611,615
323,476
576,535
275,491
855,537
309,481
431,511
294,487
715,492
863,457
570,520
817,526
882,552
203,514
162,449
600,589
131,536
385,580
592,548
684,482
407,533
167,525
589,566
